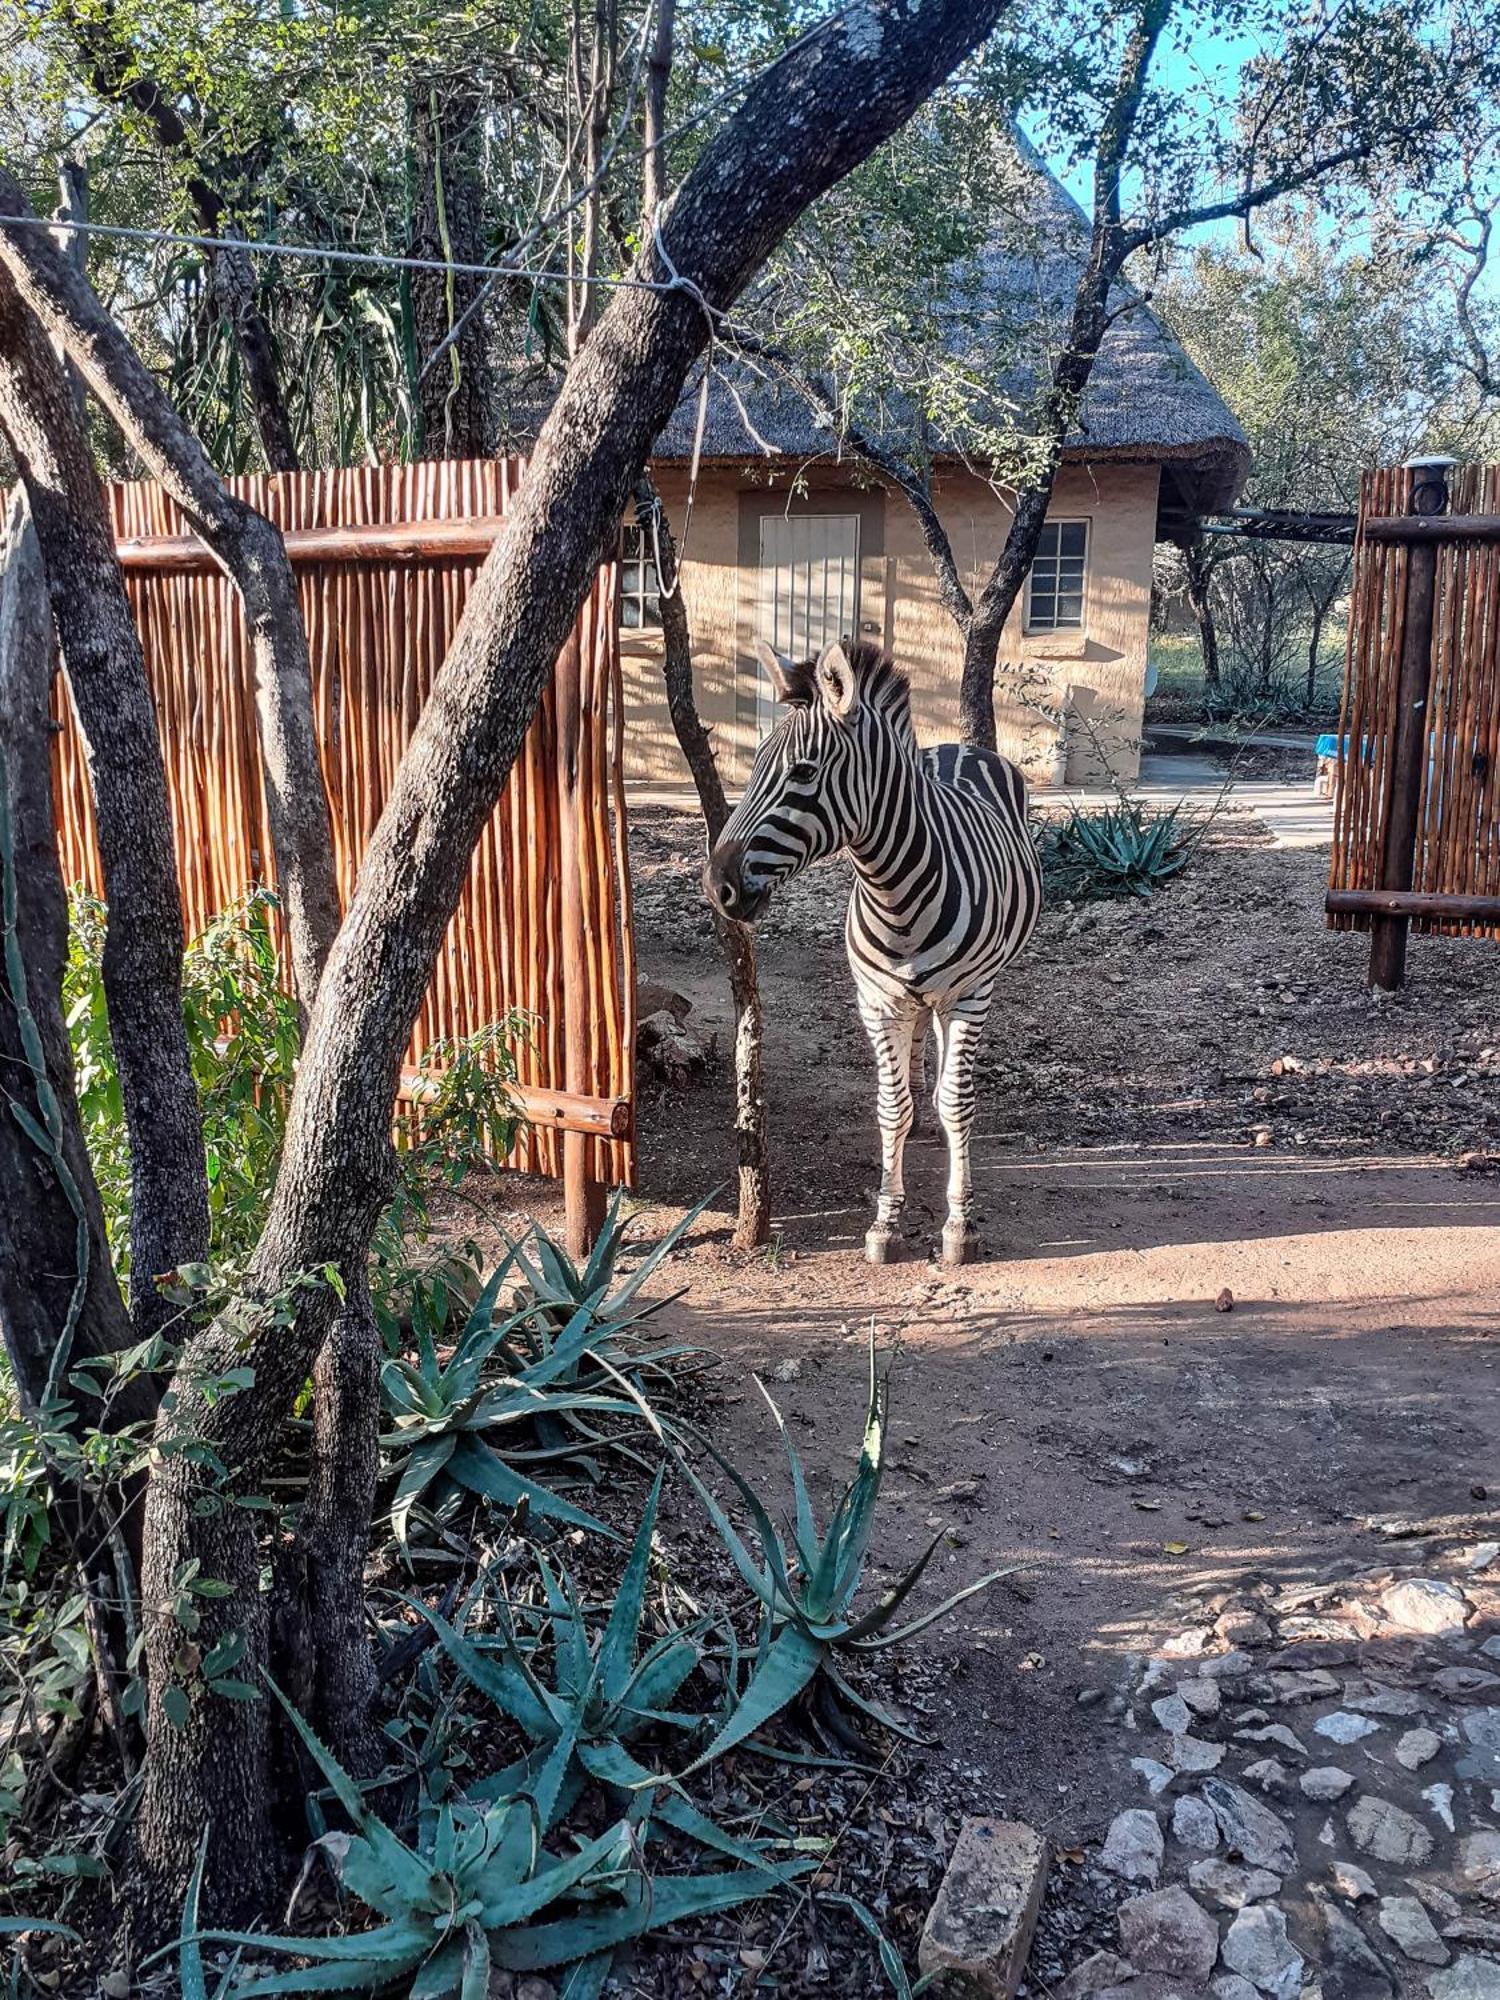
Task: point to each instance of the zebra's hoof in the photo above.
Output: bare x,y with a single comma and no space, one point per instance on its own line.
882,1246
960,1243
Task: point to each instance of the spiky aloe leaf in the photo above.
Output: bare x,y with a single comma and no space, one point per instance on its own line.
509,1682
617,1648
927,1618
836,1579
611,1764
585,1980
789,1665
424,1465
479,1470
667,1901
513,1906
43,1926
880,1615
190,1971
807,1526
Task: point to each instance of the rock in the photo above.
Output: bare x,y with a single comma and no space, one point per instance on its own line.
1157,1776
1242,1628
1099,1970
1491,1646
1379,1828
1202,1697
981,1923
1418,1747
1305,1684
1194,1825
1425,1604
1479,1865
1480,1759
1409,1928
1352,1968
1466,1684
651,997
1230,1886
1166,1931
1374,1698
1474,1930
1439,1905
1258,1947
1188,1645
1325,1784
1342,1727
1152,1986
1482,1556
1275,1732
1269,1773
1440,1798
671,1048
1250,1830
1467,1978
1191,1754
1351,1881
1232,1986
1133,1847
1228,1666
1172,1715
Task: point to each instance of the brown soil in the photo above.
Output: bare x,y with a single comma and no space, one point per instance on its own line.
1181,1101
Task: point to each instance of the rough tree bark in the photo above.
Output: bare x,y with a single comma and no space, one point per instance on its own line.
1200,601
752,1138
807,121
456,396
247,548
143,938
114,69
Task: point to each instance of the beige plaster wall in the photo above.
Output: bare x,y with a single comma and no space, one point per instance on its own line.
1091,682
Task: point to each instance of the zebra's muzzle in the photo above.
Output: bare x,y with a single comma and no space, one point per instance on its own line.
725,887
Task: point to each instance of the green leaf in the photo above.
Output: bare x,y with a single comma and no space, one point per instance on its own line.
482,1471
789,1665
176,1707
671,1900
617,1647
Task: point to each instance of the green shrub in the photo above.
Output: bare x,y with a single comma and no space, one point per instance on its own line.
1124,851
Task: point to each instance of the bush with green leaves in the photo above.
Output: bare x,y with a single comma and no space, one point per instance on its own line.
806,1592
1126,850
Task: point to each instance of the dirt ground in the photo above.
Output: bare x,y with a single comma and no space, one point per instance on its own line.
1179,1100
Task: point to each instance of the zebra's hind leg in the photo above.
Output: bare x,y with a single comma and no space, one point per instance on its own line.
922,1119
958,1032
890,1025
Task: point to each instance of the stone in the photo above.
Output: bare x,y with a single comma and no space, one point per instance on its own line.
1133,1847
1152,1986
1242,1628
651,997
1325,1784
1482,1556
1352,1968
1409,1928
1342,1727
1251,1831
1172,1714
1194,1825
1099,1970
1440,1798
1202,1697
1351,1881
1491,1646
1306,1684
980,1924
1192,1754
1228,1666
1418,1747
1269,1773
1258,1948
1166,1931
1188,1645
1375,1698
1474,1930
669,1046
1379,1828
1232,1986
1480,1757
1231,1886
1425,1604
1467,1978
1479,1865
1466,1684
1440,1906
1157,1776
1277,1733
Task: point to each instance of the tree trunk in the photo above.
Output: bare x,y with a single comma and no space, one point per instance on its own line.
249,551
1200,602
752,1140
143,938
456,395
804,123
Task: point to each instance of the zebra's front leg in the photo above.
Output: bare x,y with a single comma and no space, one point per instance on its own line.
890,1024
958,1041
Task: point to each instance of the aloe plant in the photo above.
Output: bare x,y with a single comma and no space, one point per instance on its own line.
807,1591
460,1904
1124,851
605,1692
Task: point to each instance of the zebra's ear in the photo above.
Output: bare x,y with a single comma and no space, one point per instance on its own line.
777,671
837,682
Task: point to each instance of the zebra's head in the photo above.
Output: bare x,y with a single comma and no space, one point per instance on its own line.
817,776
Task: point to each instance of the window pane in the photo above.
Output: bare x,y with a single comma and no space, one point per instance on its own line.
1046,548
1073,538
651,610
1070,609
630,614
1043,610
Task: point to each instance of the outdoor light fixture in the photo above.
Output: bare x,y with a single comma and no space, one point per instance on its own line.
1429,493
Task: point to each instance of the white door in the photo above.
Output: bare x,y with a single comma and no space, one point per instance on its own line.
809,589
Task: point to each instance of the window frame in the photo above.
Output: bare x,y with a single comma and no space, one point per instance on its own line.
1057,628
637,550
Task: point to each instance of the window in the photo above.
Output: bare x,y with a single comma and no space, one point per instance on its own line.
1054,592
640,587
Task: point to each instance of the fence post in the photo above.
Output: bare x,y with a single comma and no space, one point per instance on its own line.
583,1195
1409,749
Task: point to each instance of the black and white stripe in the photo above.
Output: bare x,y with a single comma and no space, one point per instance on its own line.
947,887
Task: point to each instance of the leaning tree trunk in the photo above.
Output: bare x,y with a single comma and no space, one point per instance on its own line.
247,548
752,1140
808,120
143,938
456,388
1200,602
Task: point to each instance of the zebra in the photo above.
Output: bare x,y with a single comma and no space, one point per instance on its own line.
947,887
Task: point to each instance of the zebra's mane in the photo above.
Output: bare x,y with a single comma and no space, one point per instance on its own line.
881,682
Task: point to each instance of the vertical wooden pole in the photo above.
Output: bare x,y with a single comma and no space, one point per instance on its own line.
583,1196
1409,749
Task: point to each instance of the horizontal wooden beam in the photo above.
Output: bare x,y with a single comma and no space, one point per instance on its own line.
1412,903
559,1110
375,541
1432,528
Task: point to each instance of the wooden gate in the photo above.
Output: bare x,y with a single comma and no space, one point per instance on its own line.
1417,818
384,557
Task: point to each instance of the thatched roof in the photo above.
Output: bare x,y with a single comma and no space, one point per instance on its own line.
1146,398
